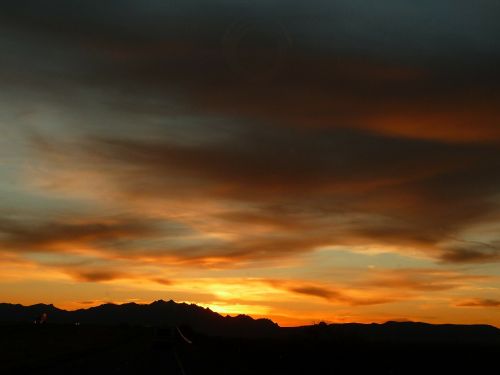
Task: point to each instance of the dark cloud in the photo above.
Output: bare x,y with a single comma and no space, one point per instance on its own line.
228,136
332,126
50,235
423,280
435,28
471,255
381,286
424,74
243,250
479,302
97,275
316,291
329,294
162,281
337,187
99,271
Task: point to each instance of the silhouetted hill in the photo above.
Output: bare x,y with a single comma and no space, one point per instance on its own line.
203,320
400,332
158,313
137,339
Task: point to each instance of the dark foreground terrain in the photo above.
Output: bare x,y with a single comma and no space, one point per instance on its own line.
66,349
172,338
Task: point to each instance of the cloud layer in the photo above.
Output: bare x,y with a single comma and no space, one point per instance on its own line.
147,144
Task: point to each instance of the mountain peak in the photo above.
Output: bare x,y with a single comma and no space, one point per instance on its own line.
162,302
159,313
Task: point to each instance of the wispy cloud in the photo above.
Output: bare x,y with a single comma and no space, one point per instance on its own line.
479,302
153,146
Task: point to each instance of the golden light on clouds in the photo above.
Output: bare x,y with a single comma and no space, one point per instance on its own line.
355,181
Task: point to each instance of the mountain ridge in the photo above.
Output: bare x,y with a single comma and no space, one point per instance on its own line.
157,313
162,313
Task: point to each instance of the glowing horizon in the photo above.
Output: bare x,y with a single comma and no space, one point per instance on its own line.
278,160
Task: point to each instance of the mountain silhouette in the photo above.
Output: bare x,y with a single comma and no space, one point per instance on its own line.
158,313
203,320
186,339
402,332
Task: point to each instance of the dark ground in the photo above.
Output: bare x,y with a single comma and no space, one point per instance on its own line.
66,349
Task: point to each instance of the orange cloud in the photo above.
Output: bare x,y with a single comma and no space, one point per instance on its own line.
479,302
344,295
188,159
254,196
422,280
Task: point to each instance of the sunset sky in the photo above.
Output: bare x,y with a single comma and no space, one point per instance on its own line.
333,160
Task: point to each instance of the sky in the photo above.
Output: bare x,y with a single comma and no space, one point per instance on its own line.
306,161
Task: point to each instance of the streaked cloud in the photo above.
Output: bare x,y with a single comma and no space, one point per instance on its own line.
253,155
478,302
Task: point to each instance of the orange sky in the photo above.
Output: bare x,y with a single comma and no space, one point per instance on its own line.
334,162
